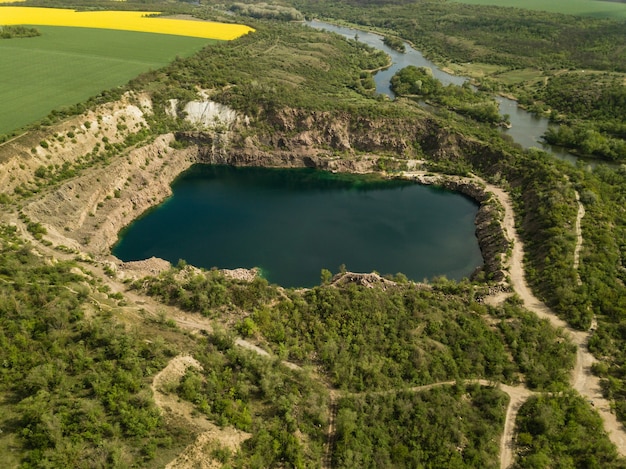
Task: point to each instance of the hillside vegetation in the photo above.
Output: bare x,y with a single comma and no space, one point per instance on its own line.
334,375
537,56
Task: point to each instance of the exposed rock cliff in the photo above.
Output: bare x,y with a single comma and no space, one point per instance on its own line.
86,212
492,241
72,142
91,209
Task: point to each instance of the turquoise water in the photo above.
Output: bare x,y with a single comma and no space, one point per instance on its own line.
294,222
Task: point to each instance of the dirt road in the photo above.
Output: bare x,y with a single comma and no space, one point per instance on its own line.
579,234
583,380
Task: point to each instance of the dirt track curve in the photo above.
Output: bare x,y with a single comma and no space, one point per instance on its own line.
583,380
517,396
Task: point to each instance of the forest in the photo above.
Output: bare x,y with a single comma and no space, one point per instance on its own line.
79,352
419,82
469,442
371,339
592,107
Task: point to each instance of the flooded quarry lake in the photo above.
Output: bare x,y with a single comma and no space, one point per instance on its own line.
291,223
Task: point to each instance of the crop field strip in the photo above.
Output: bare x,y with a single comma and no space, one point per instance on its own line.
593,8
139,21
68,65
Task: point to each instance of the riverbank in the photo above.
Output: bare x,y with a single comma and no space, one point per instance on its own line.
524,127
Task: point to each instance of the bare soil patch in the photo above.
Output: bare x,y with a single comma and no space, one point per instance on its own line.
200,453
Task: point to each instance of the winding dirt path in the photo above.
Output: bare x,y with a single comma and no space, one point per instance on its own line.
195,455
327,462
14,138
579,235
583,380
517,396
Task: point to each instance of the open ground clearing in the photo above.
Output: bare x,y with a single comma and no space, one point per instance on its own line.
210,435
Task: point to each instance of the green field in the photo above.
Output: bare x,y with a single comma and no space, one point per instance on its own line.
65,66
595,8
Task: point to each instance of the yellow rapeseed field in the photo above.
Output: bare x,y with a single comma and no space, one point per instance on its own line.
123,20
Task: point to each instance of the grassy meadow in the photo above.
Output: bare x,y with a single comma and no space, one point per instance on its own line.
65,66
594,8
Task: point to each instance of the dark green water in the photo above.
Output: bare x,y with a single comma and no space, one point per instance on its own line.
294,222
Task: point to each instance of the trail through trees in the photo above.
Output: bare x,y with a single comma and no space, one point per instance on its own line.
583,380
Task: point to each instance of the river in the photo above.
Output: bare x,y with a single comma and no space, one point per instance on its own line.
526,129
294,222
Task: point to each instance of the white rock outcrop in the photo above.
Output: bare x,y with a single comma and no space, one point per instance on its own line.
205,114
